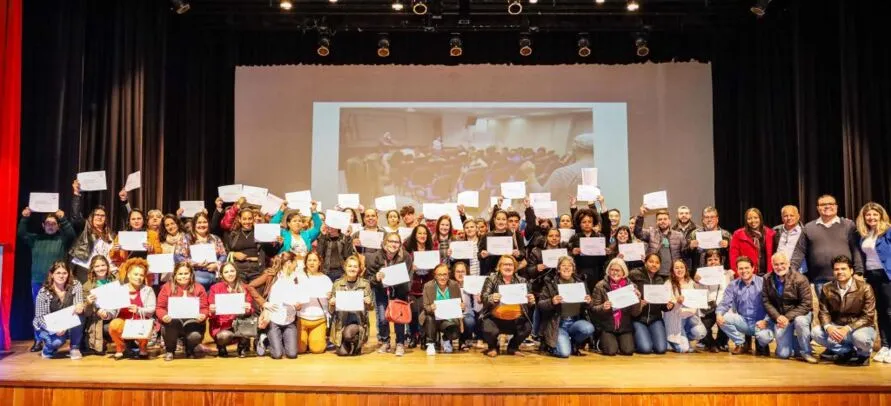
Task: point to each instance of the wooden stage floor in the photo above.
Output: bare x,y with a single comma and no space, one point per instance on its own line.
26,379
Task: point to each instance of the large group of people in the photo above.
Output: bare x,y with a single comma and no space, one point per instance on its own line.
768,281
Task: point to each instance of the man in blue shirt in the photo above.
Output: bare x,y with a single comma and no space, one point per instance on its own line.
743,297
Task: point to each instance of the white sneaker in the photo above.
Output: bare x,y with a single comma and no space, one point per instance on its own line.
384,348
400,350
447,346
882,355
431,349
75,354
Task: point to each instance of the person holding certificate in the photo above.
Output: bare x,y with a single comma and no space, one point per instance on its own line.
298,235
662,240
392,253
714,342
335,247
221,324
505,318
473,306
95,236
392,217
313,316
278,299
471,235
565,324
206,269
349,329
616,330
590,268
142,305
441,288
419,240
190,328
710,221
754,241
248,255
60,291
369,223
537,273
649,327
623,236
135,223
96,320
682,323
498,228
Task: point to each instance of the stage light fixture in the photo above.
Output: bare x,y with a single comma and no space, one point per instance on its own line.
514,7
633,5
533,1
286,5
397,5
180,6
383,47
324,48
641,44
584,46
332,1
600,1
525,45
419,7
456,47
760,7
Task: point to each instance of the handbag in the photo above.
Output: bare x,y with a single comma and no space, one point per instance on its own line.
398,311
245,327
137,329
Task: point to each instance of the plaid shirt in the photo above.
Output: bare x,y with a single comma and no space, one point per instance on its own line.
43,305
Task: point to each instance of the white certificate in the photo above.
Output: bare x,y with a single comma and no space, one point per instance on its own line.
201,253
371,239
348,200
44,202
711,275
695,298
404,232
657,294
469,198
587,193
451,210
632,252
385,203
267,232
593,246
229,303
461,249
92,181
349,300
545,210
160,263
132,240
433,211
254,195
111,296
473,284
514,293
317,287
337,219
353,228
623,297
572,292
513,190
505,203
550,257
589,177
283,292
395,274
539,198
179,307
272,204
500,245
656,200
62,320
301,201
566,234
134,181
191,207
426,259
709,240
230,193
448,309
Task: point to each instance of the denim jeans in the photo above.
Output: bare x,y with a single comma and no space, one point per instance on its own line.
650,339
572,331
471,327
282,339
52,341
694,330
788,339
205,278
737,328
35,289
383,325
536,321
859,340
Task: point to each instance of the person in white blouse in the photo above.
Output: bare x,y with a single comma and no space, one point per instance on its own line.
875,244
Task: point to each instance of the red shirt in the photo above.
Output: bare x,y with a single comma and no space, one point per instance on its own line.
125,313
224,322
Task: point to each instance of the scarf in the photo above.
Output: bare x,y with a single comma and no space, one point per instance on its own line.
617,313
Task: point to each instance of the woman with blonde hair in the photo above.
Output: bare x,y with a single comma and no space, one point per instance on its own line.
142,305
499,318
96,320
616,331
875,246
565,327
279,314
349,329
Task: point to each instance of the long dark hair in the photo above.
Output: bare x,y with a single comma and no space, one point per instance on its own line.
48,282
194,233
162,232
105,233
449,236
129,215
411,243
675,282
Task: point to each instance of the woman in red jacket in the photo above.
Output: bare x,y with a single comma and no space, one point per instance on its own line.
754,241
221,324
191,329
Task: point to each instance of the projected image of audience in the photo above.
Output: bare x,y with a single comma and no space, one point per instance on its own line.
431,154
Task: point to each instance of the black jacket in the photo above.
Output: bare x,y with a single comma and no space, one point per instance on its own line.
796,300
551,313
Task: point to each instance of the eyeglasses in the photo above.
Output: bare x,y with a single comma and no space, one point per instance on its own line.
827,204
51,224
392,241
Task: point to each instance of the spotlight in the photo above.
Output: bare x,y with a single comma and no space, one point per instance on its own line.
533,1
286,5
419,7
455,46
600,1
525,45
641,44
584,46
383,47
514,7
633,5
324,48
760,8
397,5
180,6
332,1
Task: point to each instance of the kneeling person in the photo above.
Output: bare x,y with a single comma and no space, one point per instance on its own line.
847,311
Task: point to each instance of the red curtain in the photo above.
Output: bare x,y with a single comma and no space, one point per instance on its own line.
10,126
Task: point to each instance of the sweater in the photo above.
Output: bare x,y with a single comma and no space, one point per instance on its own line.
165,294
46,249
819,244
